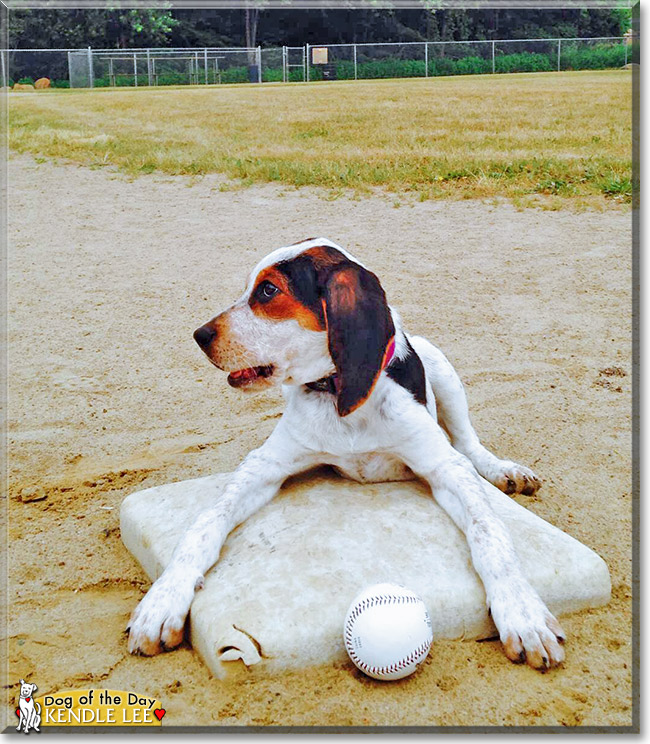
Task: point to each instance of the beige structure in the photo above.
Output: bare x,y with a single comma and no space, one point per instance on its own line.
279,593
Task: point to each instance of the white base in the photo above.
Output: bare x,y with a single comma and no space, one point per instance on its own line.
285,579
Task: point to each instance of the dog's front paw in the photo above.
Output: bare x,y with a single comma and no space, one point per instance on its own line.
157,623
513,478
527,629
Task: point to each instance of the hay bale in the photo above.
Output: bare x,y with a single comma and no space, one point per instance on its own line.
23,86
42,83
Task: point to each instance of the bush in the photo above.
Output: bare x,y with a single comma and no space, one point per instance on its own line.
235,75
464,66
524,62
599,57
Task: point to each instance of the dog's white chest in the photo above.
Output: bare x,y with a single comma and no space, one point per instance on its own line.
316,423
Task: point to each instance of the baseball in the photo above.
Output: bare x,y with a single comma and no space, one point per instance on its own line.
387,631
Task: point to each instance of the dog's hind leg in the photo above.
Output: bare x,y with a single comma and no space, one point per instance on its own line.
453,416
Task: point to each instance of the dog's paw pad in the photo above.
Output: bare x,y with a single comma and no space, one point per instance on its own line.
529,632
157,623
515,478
539,647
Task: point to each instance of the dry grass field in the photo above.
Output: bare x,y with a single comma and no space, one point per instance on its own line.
566,135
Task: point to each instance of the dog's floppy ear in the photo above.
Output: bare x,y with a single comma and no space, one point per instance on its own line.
34,688
359,329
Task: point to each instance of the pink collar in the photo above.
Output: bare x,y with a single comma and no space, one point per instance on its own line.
390,352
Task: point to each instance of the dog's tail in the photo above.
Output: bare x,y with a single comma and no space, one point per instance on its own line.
37,706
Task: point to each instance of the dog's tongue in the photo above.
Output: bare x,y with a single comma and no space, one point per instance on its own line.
244,374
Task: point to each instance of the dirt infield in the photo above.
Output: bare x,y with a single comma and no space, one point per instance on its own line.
108,393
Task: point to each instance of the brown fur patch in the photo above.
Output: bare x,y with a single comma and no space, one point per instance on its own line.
359,330
344,287
284,306
324,255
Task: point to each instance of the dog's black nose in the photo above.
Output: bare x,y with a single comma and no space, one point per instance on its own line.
204,335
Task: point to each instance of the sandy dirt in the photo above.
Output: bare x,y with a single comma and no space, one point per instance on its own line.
108,393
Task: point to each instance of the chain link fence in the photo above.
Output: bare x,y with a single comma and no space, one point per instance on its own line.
104,68
27,65
273,65
433,58
88,68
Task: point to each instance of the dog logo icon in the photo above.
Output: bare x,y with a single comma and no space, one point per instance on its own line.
29,711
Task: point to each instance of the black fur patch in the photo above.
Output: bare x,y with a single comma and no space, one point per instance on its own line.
359,328
358,322
304,282
409,373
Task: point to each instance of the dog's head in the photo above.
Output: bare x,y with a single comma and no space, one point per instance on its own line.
309,310
26,689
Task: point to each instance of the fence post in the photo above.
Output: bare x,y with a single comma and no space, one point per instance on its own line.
135,69
4,69
149,67
426,59
493,63
624,44
258,54
355,61
205,64
307,62
559,53
91,76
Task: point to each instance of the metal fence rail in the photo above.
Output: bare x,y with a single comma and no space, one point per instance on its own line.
430,58
88,68
91,68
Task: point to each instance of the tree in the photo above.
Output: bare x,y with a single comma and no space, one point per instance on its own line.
252,15
59,28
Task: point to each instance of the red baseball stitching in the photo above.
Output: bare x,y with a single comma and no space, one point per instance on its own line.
364,604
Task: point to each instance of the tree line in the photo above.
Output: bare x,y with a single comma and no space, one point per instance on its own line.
124,28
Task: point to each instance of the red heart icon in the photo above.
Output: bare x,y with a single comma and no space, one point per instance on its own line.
18,712
27,699
159,713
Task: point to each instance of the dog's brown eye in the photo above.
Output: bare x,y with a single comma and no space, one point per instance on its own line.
266,290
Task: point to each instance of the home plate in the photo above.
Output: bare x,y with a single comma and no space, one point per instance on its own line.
279,593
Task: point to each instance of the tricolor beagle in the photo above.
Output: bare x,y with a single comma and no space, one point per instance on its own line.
367,398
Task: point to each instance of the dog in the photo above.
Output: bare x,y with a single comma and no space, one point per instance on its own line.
30,711
367,398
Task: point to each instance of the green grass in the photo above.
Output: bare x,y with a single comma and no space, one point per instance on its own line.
566,135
